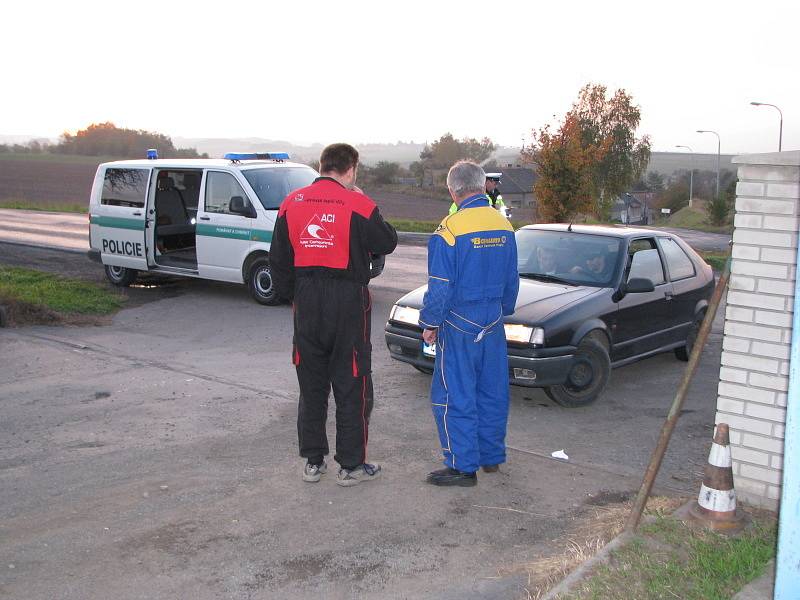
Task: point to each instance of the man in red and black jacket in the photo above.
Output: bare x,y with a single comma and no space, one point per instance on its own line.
320,260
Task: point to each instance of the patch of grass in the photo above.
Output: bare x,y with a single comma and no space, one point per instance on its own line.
604,519
414,226
29,205
28,291
428,226
715,259
670,560
694,218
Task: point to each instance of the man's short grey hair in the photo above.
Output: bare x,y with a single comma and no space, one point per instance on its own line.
465,178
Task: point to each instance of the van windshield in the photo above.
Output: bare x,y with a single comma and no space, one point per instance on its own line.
273,185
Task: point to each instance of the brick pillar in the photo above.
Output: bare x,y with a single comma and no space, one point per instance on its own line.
754,375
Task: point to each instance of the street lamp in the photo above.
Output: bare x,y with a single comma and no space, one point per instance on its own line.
691,174
719,143
780,131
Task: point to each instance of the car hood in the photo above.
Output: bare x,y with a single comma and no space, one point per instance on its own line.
535,301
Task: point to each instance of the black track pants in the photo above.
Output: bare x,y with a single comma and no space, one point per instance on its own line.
332,348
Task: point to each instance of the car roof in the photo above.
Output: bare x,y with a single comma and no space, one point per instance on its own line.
199,163
621,231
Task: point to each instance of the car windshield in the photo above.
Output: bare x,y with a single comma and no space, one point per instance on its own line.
272,185
569,257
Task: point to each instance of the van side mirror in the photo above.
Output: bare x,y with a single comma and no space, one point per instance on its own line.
377,262
238,206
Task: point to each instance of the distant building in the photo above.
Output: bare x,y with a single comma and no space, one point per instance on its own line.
516,186
633,208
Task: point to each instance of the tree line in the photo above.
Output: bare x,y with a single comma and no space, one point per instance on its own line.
583,163
106,139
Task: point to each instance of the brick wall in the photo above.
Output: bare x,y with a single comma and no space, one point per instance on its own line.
754,375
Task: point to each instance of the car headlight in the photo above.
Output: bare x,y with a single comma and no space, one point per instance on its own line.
524,334
405,314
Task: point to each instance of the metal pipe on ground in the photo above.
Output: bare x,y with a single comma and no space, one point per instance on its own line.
680,397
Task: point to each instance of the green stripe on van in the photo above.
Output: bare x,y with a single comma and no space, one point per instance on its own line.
234,233
117,222
261,235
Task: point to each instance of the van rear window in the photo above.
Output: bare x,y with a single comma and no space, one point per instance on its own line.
125,187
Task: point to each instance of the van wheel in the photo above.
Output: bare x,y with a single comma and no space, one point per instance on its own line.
121,276
587,377
684,352
261,286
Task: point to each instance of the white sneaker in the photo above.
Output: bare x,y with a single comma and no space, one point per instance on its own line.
312,473
365,472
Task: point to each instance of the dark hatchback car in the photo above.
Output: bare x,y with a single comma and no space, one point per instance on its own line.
591,298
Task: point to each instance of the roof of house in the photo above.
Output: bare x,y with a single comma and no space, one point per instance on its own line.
516,180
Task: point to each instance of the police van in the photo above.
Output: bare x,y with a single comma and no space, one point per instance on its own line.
206,218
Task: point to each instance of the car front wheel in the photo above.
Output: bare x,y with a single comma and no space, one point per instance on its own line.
261,286
587,377
120,276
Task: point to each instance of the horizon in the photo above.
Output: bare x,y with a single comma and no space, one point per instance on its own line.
54,140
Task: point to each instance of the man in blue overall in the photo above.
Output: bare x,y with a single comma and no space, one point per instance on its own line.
472,283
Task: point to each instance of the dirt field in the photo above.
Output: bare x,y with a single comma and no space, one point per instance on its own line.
46,181
61,180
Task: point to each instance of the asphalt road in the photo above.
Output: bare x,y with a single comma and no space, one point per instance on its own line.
156,457
71,231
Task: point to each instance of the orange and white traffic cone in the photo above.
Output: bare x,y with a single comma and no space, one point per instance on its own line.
715,507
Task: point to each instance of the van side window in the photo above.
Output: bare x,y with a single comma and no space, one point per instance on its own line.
644,261
220,188
125,187
679,265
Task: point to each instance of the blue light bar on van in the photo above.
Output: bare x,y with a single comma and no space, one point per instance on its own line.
237,156
152,154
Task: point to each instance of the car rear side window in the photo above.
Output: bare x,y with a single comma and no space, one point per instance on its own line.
125,187
644,261
679,265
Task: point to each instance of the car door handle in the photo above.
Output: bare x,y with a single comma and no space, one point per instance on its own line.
137,214
205,218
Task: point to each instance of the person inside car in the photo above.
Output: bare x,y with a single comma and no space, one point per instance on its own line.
595,266
547,259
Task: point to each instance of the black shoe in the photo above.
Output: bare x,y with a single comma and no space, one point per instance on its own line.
450,476
490,468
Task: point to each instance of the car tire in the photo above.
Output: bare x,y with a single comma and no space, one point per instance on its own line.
121,276
587,377
262,288
425,370
684,352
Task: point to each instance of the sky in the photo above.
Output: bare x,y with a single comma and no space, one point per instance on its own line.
381,71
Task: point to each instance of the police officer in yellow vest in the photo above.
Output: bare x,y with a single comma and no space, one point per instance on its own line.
495,199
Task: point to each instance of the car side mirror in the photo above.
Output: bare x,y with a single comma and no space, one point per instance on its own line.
238,206
377,262
639,285
635,285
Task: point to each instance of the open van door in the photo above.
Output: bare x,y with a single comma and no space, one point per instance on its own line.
118,217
